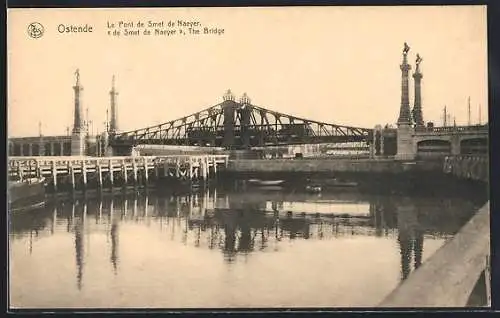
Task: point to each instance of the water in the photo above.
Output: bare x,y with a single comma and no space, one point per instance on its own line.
160,251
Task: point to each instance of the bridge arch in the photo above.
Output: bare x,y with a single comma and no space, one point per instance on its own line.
478,145
433,148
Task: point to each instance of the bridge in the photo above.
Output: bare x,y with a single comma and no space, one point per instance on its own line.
239,125
453,140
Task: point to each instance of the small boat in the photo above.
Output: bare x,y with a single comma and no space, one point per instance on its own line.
271,188
265,182
313,188
346,184
335,183
26,195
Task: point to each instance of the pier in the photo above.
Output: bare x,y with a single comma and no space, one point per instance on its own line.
330,165
92,172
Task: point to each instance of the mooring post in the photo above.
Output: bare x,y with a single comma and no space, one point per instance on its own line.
124,171
110,171
190,167
84,174
177,168
146,176
99,174
134,168
54,174
72,174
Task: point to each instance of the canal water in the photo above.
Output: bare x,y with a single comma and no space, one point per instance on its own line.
218,247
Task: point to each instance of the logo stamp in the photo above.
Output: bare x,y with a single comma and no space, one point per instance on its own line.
35,30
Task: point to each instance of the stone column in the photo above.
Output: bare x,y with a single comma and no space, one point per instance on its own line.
417,107
405,129
113,124
78,134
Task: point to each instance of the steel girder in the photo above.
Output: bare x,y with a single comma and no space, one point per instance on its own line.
241,125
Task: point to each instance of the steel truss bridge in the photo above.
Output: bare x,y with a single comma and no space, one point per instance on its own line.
240,125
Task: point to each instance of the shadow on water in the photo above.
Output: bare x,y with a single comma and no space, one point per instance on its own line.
252,221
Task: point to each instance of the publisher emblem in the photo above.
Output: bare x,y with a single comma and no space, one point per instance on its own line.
35,30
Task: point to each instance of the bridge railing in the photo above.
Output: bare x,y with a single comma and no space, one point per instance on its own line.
91,161
452,128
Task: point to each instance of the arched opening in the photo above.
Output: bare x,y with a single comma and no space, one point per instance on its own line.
433,148
474,146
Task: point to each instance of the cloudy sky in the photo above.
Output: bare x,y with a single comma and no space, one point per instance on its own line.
334,64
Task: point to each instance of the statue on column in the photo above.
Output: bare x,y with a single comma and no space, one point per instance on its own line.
406,49
77,73
419,59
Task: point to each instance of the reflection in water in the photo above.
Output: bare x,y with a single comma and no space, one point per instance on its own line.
250,222
79,248
114,244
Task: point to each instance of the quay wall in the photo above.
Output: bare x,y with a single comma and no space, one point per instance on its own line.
379,175
331,165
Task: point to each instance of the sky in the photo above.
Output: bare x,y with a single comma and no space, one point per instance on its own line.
338,65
